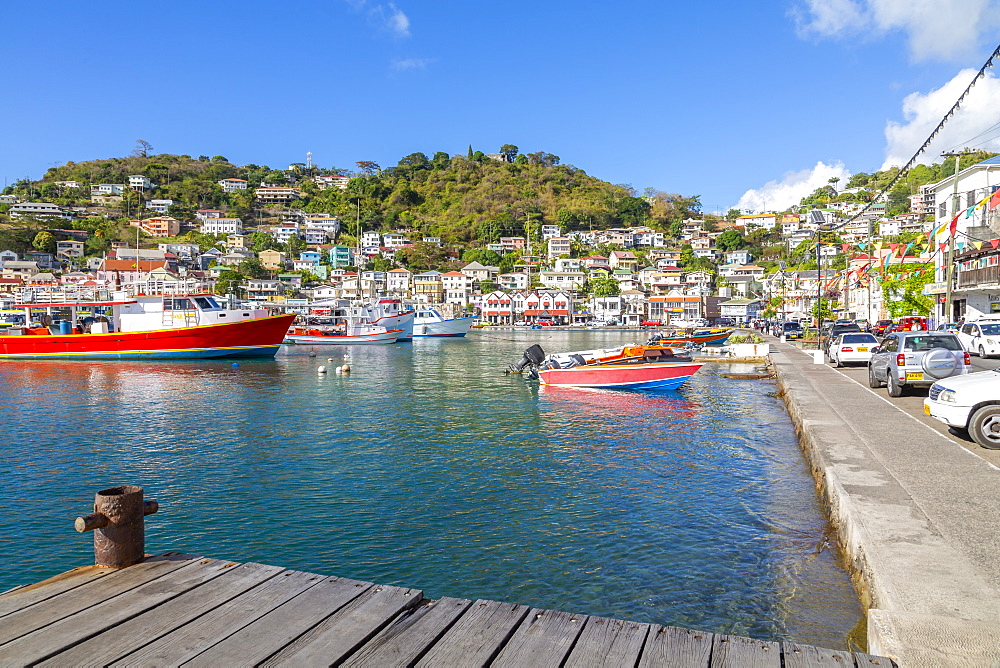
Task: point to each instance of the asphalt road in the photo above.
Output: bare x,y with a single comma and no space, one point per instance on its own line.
912,403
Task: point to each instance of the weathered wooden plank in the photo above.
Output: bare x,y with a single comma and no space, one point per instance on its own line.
409,635
744,652
271,633
24,596
871,661
206,631
477,636
673,646
544,638
143,629
807,656
85,596
347,629
66,632
608,642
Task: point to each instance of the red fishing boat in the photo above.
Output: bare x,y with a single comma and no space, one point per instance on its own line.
167,326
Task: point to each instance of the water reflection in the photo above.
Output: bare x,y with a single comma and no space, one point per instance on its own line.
427,467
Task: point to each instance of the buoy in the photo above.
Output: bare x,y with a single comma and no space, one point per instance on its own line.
329,359
321,369
235,365
338,369
346,368
312,354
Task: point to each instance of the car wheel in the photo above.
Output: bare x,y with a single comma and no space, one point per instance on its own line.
984,427
837,362
893,386
872,380
982,353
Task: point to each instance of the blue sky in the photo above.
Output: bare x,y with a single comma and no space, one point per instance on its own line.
732,101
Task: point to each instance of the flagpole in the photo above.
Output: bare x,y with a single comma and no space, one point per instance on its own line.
948,309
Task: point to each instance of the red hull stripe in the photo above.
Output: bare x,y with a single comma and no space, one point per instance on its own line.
204,340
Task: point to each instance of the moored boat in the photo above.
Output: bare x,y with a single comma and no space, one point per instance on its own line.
428,322
392,314
713,337
165,326
634,368
334,336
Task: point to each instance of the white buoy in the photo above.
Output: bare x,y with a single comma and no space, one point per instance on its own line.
329,359
337,369
321,369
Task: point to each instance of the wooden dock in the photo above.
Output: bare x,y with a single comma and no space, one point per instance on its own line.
175,609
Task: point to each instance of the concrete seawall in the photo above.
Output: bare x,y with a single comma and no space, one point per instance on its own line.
918,517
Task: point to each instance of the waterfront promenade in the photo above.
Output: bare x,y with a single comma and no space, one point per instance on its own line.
918,516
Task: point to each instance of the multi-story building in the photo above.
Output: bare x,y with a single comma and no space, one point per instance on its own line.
70,249
106,189
456,287
159,205
39,210
324,182
514,281
232,185
562,280
139,182
273,260
428,288
222,226
398,282
341,256
498,308
510,244
160,226
558,246
277,194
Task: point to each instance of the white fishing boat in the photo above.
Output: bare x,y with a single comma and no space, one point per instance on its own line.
339,325
391,314
428,322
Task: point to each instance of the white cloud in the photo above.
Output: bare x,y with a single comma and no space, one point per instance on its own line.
946,30
403,64
398,22
780,195
972,126
387,17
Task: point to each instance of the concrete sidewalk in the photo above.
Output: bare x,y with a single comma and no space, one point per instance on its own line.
918,516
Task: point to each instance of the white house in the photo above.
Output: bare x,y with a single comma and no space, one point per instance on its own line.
159,205
232,185
222,226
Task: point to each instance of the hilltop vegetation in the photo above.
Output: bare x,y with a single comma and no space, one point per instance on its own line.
464,199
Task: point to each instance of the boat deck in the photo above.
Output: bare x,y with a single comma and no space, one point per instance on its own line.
176,608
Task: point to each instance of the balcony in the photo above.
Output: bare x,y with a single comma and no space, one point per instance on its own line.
979,277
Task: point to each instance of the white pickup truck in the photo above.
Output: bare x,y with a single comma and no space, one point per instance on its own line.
969,402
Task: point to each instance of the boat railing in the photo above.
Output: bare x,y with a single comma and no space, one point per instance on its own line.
66,294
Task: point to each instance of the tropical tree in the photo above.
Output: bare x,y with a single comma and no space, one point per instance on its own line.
44,242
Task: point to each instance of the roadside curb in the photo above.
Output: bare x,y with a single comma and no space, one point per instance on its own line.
929,601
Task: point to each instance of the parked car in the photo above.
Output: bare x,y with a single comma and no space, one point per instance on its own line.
916,359
851,347
545,323
981,337
969,402
791,330
836,330
882,327
650,323
952,327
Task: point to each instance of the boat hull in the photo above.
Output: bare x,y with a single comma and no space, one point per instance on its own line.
259,337
665,376
401,321
452,327
344,339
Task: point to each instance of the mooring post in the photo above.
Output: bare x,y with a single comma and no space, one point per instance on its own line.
117,523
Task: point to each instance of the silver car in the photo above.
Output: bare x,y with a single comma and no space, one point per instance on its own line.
916,359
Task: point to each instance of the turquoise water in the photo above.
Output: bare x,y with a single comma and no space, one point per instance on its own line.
429,468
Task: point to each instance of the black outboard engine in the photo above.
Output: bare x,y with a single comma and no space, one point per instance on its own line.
533,357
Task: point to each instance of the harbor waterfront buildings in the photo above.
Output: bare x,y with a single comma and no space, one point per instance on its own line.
627,275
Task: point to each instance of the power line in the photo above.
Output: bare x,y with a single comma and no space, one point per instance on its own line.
923,147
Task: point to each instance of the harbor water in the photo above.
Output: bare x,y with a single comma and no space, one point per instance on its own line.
427,467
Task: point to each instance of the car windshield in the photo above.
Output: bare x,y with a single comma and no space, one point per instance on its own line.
859,338
920,343
792,325
992,330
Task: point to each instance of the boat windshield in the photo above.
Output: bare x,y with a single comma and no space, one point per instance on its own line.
207,304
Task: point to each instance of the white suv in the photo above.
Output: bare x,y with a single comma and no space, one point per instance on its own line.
981,337
969,402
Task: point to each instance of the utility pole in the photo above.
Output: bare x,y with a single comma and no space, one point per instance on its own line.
949,268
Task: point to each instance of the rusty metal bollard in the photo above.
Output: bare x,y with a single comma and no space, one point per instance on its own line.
117,522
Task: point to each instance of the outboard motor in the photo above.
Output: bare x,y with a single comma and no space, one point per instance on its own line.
532,358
